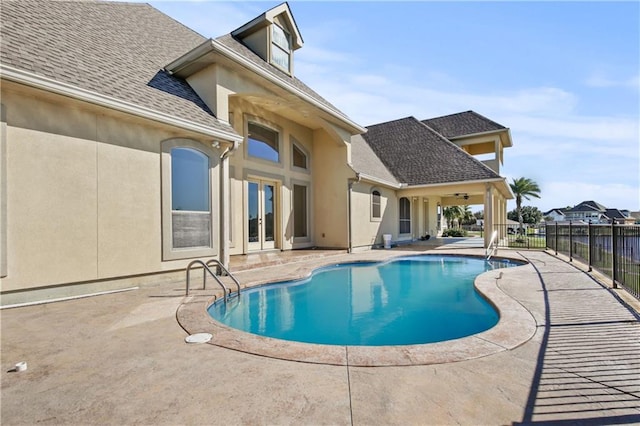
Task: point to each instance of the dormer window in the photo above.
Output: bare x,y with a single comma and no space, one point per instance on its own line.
280,47
273,36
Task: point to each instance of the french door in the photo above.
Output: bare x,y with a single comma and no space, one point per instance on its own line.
261,215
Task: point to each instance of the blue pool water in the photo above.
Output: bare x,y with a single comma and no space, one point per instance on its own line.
409,300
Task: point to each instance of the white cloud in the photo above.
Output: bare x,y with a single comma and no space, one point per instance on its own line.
602,81
607,130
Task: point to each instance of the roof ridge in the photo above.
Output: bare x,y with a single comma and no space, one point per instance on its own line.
448,115
392,121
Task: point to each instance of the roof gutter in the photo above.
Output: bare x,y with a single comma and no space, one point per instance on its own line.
51,85
432,185
212,45
495,180
374,179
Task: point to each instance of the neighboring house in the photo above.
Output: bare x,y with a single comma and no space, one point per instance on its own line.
587,211
130,145
554,215
591,211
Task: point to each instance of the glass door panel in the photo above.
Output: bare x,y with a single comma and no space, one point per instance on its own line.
269,213
254,216
261,215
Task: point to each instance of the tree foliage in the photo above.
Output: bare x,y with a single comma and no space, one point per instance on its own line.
523,187
457,215
530,214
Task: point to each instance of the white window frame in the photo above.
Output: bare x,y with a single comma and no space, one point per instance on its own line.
168,251
276,46
373,217
401,219
296,144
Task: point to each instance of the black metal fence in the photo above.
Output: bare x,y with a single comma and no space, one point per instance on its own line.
529,236
614,250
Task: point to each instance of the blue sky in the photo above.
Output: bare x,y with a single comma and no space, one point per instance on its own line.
563,76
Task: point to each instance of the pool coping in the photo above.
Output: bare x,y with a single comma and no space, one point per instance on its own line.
515,327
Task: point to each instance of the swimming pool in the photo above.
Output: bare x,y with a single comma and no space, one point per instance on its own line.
404,301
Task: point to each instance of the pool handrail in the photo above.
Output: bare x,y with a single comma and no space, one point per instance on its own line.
219,264
490,251
204,281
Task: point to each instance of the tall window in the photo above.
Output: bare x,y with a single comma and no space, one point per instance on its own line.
300,219
375,204
263,143
190,202
405,215
280,47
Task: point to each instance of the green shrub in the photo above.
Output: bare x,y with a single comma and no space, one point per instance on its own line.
454,232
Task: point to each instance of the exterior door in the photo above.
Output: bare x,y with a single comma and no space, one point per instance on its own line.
261,215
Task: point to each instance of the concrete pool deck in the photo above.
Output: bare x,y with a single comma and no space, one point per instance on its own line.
121,359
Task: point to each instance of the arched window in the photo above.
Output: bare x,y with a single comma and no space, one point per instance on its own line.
375,204
404,206
189,198
263,143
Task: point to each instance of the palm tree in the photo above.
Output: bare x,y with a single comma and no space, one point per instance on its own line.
523,187
451,214
467,215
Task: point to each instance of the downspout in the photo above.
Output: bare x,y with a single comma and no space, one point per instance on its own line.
224,202
350,187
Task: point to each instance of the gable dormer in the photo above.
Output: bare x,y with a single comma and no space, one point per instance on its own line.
273,36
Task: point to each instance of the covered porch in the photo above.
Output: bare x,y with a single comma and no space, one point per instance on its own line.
428,202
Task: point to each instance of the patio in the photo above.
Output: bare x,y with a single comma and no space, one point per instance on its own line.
121,359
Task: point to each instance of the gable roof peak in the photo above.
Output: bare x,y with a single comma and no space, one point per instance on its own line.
268,18
397,120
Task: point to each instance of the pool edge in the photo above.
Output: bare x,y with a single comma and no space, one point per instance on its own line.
515,327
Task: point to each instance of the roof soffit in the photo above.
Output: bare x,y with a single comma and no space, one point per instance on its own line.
274,95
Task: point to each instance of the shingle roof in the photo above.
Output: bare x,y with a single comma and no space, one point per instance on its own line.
614,214
364,160
462,124
111,48
229,41
417,155
588,206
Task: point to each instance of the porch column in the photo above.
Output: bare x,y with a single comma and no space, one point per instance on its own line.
419,223
488,215
432,225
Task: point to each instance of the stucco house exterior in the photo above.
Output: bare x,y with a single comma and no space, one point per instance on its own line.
131,145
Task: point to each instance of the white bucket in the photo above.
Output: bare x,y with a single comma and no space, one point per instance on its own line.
387,240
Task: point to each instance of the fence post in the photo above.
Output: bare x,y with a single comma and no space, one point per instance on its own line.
589,248
556,243
613,254
570,243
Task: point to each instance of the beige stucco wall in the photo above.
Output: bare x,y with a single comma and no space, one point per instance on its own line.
330,190
366,230
83,192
